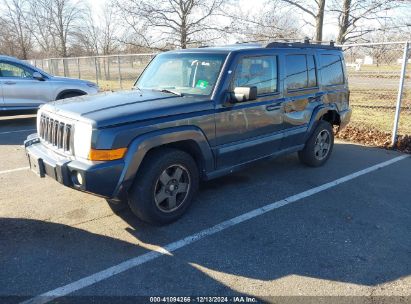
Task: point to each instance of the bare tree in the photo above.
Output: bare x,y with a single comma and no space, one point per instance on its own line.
109,31
8,45
357,18
15,15
88,38
263,26
173,22
315,9
65,14
54,23
99,38
40,24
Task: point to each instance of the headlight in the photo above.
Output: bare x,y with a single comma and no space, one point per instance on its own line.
82,139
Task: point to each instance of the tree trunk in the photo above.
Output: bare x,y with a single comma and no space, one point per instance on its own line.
183,37
319,21
344,22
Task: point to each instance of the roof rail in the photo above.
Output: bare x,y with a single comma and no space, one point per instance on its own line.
305,44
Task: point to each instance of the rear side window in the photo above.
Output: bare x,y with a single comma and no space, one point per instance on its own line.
260,72
301,72
331,70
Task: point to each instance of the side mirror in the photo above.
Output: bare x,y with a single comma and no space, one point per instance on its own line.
38,76
241,94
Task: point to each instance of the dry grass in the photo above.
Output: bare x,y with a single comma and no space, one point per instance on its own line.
114,85
381,120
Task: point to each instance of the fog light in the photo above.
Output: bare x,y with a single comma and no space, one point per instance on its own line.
79,178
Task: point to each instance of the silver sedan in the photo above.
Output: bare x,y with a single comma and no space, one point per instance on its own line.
25,87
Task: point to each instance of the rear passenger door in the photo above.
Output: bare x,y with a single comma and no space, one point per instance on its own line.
301,95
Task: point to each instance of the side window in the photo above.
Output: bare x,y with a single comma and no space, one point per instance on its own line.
301,72
14,70
312,74
331,70
260,72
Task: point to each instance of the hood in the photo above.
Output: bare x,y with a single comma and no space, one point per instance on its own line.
67,79
114,108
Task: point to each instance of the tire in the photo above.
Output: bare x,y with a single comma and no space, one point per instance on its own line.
164,187
117,206
319,146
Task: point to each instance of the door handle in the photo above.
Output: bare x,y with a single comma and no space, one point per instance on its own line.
272,107
9,82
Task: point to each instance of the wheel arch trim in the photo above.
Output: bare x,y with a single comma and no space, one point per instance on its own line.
67,91
141,145
319,112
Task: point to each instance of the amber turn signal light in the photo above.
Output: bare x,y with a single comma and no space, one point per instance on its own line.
107,154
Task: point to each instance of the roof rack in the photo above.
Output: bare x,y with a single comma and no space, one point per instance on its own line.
305,44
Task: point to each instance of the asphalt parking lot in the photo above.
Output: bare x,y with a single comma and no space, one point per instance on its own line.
287,230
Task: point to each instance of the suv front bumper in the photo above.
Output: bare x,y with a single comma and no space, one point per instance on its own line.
99,178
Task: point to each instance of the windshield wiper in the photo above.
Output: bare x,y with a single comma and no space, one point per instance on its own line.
170,91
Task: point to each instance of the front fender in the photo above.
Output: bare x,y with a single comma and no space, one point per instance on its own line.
139,147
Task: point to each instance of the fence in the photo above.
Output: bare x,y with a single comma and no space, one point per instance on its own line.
379,77
111,72
375,72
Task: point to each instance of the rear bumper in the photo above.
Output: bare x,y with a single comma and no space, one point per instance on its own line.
345,117
99,178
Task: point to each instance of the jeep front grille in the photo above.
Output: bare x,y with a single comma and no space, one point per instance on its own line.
55,132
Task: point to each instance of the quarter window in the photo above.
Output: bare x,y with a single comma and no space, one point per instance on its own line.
14,71
332,70
260,72
301,72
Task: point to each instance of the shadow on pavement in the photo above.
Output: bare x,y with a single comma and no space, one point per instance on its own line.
356,236
15,129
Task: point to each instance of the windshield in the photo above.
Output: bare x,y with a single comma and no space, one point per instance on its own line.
182,73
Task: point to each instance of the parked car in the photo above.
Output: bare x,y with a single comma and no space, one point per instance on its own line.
194,115
25,87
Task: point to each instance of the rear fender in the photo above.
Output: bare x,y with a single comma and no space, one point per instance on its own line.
318,112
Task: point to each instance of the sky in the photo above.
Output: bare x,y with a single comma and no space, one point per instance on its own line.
330,24
330,27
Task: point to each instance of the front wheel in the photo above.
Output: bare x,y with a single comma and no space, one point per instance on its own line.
319,146
164,186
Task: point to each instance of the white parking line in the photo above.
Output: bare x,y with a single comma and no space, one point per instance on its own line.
166,250
14,170
18,131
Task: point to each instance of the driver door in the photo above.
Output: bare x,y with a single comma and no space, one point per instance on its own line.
20,89
252,129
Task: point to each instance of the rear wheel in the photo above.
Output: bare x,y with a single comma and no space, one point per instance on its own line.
164,187
319,146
